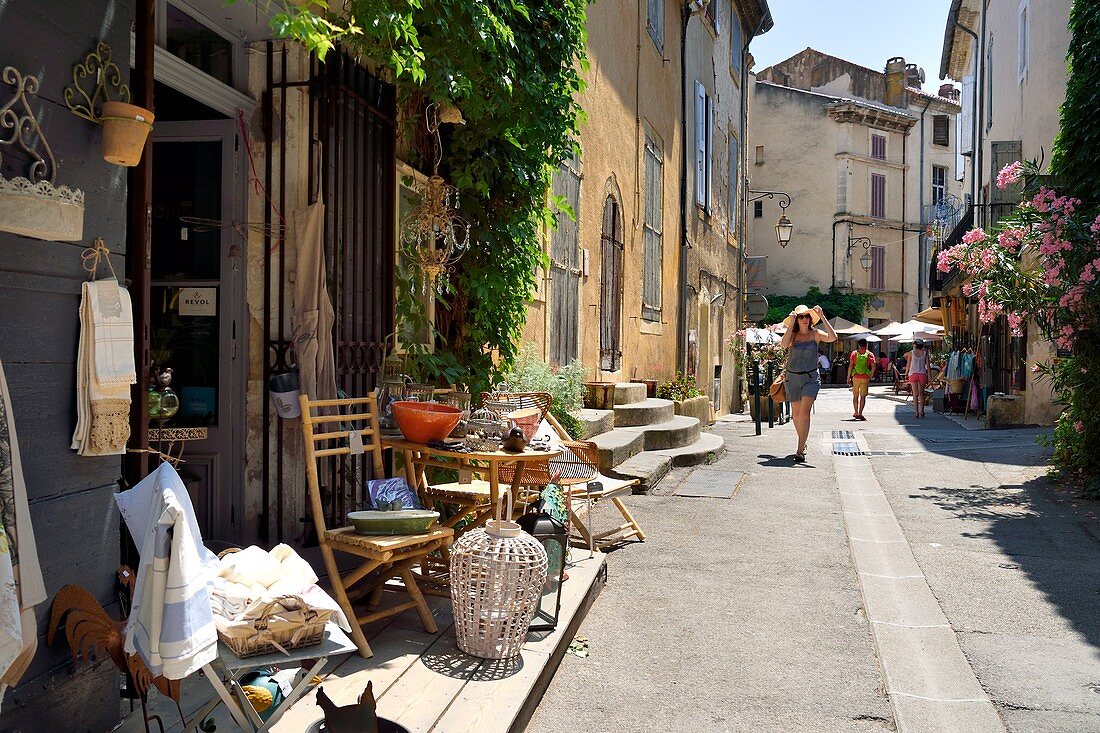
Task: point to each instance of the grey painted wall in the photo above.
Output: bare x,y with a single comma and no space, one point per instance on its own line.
70,497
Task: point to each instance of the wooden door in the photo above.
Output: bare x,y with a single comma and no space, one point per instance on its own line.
611,287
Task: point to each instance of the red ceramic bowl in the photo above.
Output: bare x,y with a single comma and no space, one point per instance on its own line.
422,422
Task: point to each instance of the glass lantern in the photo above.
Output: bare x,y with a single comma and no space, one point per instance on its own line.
554,538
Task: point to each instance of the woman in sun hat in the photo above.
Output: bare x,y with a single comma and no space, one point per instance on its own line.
802,378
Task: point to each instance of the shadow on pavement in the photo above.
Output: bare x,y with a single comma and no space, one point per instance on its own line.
1048,533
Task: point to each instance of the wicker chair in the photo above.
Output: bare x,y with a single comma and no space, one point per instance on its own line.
383,557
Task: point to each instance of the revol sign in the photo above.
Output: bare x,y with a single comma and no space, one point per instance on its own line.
198,302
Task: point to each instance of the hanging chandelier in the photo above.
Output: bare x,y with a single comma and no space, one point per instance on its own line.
434,235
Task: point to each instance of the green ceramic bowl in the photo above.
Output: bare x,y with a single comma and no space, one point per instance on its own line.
406,521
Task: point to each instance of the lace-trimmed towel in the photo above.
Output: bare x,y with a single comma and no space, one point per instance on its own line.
105,369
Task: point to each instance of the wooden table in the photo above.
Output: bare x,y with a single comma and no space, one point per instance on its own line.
476,498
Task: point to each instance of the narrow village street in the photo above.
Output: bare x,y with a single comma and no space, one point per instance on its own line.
749,613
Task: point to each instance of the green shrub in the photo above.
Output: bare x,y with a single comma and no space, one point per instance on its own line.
565,384
681,387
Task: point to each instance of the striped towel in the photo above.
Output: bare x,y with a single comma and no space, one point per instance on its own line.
113,327
104,370
171,623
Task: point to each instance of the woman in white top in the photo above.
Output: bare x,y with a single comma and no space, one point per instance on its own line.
916,366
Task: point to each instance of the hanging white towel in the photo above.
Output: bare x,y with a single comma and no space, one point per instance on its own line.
104,370
171,623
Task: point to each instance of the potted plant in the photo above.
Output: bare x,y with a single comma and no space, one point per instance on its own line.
650,383
686,397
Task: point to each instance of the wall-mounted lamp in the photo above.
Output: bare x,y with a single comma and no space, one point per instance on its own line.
784,227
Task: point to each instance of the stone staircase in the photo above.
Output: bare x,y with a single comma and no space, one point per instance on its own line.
642,437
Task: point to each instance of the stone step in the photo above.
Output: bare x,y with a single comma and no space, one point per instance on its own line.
647,468
649,411
628,393
615,446
675,432
704,450
594,422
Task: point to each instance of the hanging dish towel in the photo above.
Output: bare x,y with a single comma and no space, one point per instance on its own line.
21,585
171,623
313,316
104,370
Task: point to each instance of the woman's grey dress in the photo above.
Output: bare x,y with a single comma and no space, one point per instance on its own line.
802,358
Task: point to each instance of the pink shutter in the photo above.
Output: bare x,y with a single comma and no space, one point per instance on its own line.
878,196
878,147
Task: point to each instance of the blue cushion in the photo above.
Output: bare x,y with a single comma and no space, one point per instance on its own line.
388,489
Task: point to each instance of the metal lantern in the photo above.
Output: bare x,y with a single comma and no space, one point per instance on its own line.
554,538
783,230
497,577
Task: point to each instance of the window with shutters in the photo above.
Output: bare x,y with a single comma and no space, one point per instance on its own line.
655,22
878,268
1002,200
736,43
1022,40
941,130
565,266
652,230
878,146
878,195
758,210
713,11
939,184
704,147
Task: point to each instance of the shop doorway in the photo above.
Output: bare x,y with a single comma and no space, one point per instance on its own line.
196,324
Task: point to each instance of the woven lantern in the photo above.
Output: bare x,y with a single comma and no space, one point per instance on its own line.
497,576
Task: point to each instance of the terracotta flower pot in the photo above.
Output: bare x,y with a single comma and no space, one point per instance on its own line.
599,395
650,386
125,130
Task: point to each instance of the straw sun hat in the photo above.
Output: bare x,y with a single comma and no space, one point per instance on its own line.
815,317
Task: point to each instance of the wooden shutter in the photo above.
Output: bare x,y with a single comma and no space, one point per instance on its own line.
878,196
700,145
878,147
565,270
611,287
652,232
941,130
878,268
710,154
734,181
965,139
736,42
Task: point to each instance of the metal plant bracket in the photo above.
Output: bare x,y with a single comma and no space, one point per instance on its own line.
19,127
95,81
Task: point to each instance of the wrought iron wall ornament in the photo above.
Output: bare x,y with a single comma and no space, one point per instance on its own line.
17,117
33,206
102,75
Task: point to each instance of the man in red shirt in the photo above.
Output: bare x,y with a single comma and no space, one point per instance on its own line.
861,368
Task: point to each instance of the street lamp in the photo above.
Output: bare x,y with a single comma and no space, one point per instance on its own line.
865,260
783,228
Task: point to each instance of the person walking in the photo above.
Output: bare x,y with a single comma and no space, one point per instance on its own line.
916,367
823,365
803,379
861,370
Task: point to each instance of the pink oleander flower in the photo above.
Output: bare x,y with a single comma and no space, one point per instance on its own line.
1011,239
974,236
1087,273
1095,227
1042,200
1015,322
1079,426
1010,174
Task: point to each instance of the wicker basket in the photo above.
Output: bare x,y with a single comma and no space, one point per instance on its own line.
286,623
497,576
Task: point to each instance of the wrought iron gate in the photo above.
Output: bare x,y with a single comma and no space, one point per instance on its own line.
351,139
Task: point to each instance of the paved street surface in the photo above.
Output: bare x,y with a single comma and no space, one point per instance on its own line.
940,583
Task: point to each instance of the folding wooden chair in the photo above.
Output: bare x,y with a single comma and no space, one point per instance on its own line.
577,469
384,557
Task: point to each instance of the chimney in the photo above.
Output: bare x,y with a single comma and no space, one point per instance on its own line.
895,83
914,77
948,91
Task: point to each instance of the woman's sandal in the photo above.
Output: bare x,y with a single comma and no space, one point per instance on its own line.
800,457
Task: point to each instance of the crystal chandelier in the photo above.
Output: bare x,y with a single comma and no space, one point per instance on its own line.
434,235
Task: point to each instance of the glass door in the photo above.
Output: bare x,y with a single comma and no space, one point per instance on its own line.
196,313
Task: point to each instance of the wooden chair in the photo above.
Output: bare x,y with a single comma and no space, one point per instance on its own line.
383,557
577,468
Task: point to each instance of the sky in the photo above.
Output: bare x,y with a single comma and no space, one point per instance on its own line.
866,32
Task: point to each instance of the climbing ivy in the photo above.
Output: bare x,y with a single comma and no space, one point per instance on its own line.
1076,156
513,69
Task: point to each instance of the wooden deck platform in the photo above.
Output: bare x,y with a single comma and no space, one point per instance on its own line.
423,681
